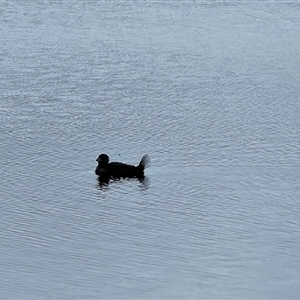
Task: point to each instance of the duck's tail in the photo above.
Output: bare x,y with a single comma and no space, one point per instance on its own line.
144,163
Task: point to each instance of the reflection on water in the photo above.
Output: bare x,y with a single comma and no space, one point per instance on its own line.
209,90
142,183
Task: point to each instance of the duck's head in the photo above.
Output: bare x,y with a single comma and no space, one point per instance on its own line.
103,159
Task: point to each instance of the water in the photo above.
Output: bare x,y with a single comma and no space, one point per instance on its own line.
210,90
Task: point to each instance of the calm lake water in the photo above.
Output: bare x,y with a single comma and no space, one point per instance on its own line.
210,90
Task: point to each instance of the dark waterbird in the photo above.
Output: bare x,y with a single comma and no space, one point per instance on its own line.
116,170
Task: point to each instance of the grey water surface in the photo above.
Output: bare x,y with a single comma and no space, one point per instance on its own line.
210,90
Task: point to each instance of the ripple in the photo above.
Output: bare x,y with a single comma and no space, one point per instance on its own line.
218,116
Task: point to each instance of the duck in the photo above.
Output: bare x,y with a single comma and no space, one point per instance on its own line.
116,170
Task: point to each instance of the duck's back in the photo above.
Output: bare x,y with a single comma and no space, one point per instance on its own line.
119,170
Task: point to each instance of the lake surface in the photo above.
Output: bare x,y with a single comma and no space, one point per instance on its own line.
210,90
